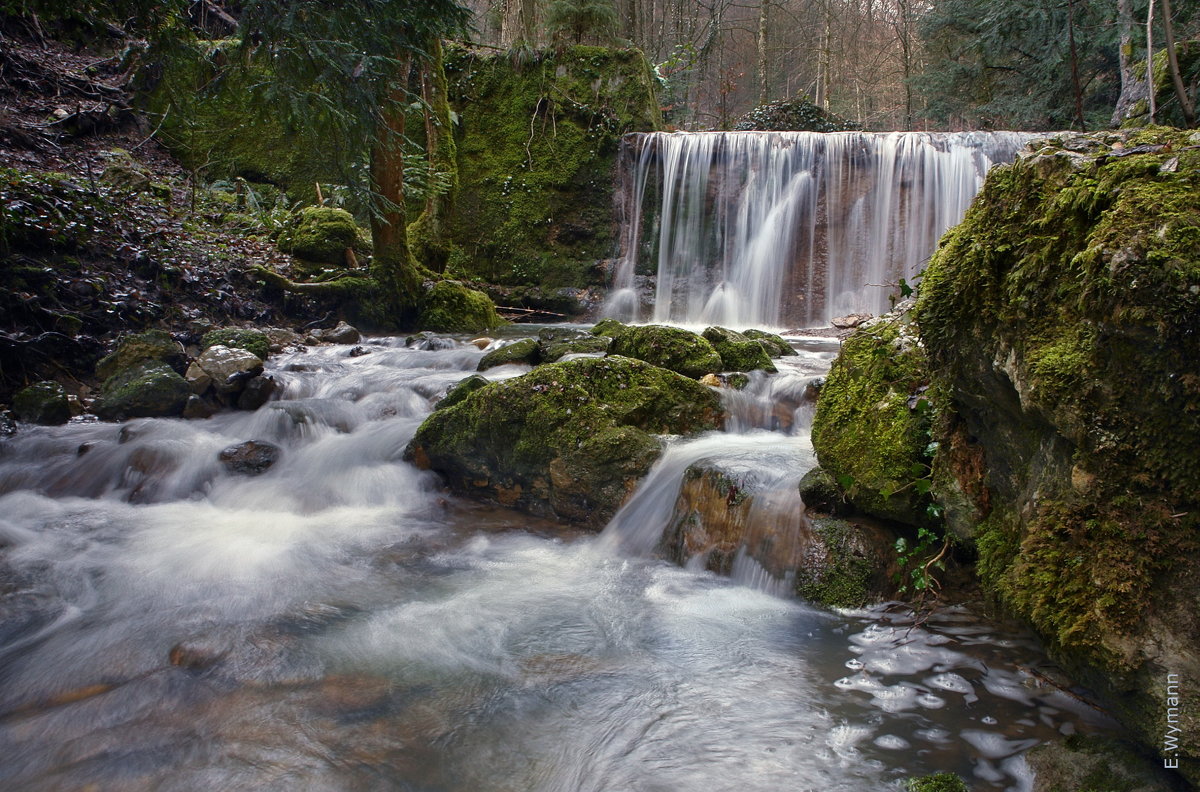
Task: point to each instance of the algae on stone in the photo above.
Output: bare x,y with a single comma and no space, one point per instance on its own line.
570,438
320,234
150,345
522,351
739,352
147,390
42,403
451,307
254,341
672,348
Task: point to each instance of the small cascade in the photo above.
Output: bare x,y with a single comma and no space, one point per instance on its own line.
790,228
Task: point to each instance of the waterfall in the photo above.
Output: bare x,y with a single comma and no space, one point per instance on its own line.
790,228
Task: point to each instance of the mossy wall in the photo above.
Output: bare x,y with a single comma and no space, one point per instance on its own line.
537,145
1063,318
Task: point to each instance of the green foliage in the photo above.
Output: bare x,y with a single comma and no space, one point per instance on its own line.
1006,64
793,114
580,20
938,782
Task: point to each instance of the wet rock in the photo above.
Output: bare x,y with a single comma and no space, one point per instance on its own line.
198,654
147,390
775,345
556,343
258,391
821,493
42,403
461,390
8,425
846,563
672,348
341,333
1094,762
255,342
358,351
523,351
451,307
480,343
610,328
738,352
198,379
570,439
282,339
850,321
250,458
229,368
152,345
427,341
199,408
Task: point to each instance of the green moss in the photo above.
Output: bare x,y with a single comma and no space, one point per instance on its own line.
672,348
775,345
550,350
146,390
872,425
537,145
1060,317
738,352
450,307
42,403
461,390
151,345
820,492
842,577
320,234
253,341
523,351
531,440
938,782
609,328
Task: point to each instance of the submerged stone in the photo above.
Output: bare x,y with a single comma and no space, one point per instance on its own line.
570,439
250,458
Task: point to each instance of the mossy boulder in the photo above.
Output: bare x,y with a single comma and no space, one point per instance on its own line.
556,343
1089,763
254,341
1060,319
320,234
872,426
450,307
846,564
738,352
938,782
570,439
151,345
538,137
671,348
461,390
609,328
522,351
147,390
821,493
775,345
42,403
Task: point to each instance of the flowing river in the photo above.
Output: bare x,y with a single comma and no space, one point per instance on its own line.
341,623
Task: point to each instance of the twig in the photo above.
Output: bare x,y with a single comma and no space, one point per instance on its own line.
161,121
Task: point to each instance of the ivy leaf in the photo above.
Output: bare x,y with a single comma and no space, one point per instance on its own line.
905,289
922,486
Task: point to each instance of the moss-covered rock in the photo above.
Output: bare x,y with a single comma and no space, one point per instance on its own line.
821,493
147,390
537,144
320,234
254,341
1086,763
42,403
846,564
938,782
523,351
570,439
554,343
775,345
450,307
671,348
151,345
872,427
461,390
738,352
609,328
1061,319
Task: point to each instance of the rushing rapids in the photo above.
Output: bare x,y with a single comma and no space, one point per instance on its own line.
790,228
338,622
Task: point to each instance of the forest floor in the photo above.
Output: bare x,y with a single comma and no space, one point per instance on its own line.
101,230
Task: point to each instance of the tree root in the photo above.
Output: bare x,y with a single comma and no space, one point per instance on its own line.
340,287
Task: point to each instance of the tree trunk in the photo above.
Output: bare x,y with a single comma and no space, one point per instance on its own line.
392,266
763,92
1150,58
427,234
1133,90
1075,66
1185,101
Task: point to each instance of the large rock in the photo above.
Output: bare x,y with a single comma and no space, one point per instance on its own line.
226,368
872,427
775,345
570,438
255,342
450,307
1061,319
671,348
524,351
320,234
151,345
42,403
739,352
147,390
250,458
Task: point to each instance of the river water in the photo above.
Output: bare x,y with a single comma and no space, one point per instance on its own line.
341,623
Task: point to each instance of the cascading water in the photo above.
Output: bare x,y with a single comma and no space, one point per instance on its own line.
790,228
339,623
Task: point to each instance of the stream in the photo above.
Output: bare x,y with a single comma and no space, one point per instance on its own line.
341,623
